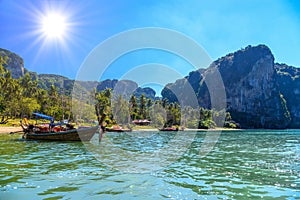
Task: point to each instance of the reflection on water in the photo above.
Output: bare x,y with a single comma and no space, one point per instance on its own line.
242,165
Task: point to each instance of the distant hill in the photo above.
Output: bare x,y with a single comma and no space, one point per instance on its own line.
62,83
126,87
65,85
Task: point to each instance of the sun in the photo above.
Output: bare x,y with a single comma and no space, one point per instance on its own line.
54,25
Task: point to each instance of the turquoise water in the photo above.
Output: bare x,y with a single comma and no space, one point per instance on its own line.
241,165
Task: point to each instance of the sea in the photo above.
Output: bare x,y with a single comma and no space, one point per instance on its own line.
241,164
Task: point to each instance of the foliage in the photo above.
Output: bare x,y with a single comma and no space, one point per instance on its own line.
120,110
20,97
161,113
133,107
158,115
84,112
142,110
103,106
286,114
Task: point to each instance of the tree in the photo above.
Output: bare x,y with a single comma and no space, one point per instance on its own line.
170,116
149,104
30,105
66,107
190,117
120,110
133,108
42,98
52,108
14,101
8,88
177,114
29,86
142,110
206,119
158,115
102,105
164,103
3,84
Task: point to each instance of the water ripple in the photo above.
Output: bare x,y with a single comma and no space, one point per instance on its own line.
242,165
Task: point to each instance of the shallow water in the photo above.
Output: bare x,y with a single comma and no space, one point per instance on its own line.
241,165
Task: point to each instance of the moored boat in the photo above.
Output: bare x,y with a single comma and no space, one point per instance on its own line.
81,134
56,131
169,129
117,129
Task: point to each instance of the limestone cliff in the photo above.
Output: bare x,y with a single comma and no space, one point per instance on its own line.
289,84
253,95
14,63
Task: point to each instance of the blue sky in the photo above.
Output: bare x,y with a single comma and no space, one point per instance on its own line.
219,26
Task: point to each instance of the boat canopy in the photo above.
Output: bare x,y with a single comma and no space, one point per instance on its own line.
44,116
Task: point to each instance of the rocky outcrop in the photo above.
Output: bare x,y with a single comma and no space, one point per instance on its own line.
106,84
14,63
147,91
253,95
289,85
186,90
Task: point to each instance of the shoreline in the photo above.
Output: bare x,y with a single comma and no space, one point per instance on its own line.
8,129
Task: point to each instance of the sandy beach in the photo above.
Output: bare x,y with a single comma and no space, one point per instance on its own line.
9,129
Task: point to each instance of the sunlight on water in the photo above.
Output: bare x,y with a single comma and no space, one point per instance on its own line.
242,165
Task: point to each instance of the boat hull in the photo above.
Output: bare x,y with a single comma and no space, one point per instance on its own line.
168,129
83,134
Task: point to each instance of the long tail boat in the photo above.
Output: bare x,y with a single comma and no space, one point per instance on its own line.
168,129
56,131
117,129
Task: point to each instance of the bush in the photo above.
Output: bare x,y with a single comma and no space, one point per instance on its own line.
206,124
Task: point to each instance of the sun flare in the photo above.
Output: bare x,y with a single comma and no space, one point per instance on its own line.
54,25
